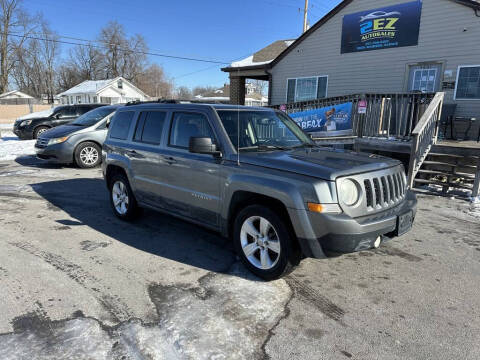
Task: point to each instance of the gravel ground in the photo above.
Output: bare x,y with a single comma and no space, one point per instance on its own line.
79,284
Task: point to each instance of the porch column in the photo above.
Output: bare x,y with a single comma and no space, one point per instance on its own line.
237,90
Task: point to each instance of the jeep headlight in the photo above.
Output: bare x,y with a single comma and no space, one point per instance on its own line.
348,192
57,140
25,122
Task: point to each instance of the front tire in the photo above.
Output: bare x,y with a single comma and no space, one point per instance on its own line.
39,131
264,243
88,155
122,200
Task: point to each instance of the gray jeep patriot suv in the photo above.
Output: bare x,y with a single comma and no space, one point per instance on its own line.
253,175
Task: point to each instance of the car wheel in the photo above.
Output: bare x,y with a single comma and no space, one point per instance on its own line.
39,131
122,199
88,155
264,243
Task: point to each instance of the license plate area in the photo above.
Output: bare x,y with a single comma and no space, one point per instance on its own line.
404,223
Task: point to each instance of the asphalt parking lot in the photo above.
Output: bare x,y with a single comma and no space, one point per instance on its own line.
76,283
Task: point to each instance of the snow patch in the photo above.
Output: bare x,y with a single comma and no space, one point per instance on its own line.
11,147
475,206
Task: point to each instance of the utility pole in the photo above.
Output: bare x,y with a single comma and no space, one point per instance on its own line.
305,13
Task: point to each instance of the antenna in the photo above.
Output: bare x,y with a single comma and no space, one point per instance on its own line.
238,126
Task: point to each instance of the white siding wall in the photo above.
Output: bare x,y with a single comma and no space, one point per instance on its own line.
442,39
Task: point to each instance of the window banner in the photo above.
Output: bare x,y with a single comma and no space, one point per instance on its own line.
387,27
327,121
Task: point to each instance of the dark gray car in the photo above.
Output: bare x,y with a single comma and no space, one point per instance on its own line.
78,142
253,175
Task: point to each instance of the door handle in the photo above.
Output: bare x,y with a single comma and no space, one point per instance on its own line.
169,160
133,153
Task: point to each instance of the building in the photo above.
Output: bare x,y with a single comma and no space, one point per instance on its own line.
378,46
253,67
253,97
112,91
16,97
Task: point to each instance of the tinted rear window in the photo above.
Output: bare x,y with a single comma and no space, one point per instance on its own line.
150,126
121,124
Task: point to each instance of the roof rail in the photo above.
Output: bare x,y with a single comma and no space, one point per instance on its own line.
159,101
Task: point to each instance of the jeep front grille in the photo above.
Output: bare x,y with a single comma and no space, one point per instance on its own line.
380,190
384,191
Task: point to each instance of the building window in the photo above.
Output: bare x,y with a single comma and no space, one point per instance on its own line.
424,80
468,83
79,99
120,84
307,88
94,99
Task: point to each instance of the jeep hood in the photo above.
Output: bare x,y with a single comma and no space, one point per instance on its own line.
322,162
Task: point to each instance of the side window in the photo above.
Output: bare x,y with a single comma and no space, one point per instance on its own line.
83,109
121,125
186,125
66,112
149,127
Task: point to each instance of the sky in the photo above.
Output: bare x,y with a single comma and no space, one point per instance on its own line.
213,29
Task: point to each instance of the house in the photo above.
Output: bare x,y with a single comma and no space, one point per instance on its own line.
222,95
111,91
16,97
378,46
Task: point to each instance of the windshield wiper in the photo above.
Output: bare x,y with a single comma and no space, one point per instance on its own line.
265,147
305,145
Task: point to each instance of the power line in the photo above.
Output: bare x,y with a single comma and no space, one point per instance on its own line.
118,48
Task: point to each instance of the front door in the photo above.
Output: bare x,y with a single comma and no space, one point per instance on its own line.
63,116
193,180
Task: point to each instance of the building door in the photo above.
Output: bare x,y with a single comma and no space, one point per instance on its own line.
424,78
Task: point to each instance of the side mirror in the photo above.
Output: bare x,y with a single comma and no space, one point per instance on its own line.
58,116
203,145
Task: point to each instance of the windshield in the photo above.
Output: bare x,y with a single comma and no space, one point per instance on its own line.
262,129
93,116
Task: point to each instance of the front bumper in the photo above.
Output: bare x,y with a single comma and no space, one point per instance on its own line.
329,233
58,153
23,133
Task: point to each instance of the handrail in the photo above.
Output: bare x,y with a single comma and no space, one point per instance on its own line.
424,136
438,98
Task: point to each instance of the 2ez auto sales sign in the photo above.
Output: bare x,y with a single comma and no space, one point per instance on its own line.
392,26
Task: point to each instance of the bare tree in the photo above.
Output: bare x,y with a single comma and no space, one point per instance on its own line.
154,82
67,77
15,26
123,56
204,91
183,93
35,63
88,61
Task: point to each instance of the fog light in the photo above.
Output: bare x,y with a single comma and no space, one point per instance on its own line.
377,242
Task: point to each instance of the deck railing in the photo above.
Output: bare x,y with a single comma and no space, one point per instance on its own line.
387,115
424,135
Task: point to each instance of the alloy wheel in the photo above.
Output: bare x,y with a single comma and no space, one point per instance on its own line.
89,155
260,242
120,197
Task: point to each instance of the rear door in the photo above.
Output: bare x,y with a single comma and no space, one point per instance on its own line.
192,181
146,157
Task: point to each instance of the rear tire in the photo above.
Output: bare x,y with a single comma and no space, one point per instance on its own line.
264,243
122,200
88,155
39,130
